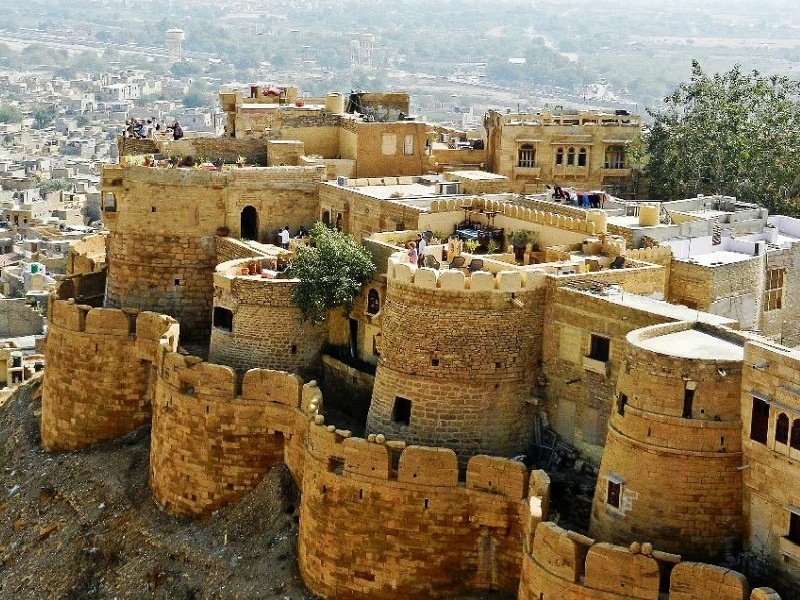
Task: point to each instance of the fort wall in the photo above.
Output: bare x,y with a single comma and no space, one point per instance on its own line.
676,412
414,530
265,330
563,565
212,443
457,364
97,385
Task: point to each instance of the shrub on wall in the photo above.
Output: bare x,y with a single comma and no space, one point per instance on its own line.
331,272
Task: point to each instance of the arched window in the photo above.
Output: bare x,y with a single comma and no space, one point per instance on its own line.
782,429
794,440
526,156
571,157
582,157
249,223
339,222
560,156
373,302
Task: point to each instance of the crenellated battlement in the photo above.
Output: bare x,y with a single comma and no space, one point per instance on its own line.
587,222
429,512
373,457
96,386
564,564
400,271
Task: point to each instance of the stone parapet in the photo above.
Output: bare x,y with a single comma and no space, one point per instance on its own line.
210,444
563,565
97,382
415,529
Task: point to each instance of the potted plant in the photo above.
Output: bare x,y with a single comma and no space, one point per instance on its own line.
519,239
471,245
240,160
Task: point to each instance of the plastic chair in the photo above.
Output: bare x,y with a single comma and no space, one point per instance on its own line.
431,262
457,262
476,264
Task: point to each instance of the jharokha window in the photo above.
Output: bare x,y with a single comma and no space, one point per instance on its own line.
794,437
527,156
560,156
571,157
582,157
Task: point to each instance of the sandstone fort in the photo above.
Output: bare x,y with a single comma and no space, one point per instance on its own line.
651,342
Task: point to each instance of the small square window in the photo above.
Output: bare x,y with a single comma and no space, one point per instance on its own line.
794,528
600,348
401,413
613,493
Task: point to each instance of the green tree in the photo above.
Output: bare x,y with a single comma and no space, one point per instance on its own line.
331,274
42,117
54,185
10,114
733,133
194,100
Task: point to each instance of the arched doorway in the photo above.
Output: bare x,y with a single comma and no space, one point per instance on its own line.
326,218
249,223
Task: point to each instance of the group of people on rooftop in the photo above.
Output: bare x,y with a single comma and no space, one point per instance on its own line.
147,129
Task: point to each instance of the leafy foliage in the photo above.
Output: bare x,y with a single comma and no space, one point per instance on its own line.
733,133
42,117
54,185
331,274
10,114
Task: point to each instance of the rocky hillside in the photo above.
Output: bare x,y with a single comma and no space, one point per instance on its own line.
84,525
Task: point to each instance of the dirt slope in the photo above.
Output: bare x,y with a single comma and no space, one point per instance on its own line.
84,525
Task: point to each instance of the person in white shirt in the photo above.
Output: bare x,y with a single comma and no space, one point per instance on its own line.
284,234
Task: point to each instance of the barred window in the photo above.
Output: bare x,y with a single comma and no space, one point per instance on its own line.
773,289
527,156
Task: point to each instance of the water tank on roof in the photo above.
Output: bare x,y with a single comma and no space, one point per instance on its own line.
334,103
34,268
341,180
648,215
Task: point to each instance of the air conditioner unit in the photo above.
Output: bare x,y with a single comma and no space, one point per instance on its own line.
341,180
448,188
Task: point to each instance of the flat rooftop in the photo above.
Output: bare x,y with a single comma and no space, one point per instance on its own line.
716,259
478,175
676,312
692,343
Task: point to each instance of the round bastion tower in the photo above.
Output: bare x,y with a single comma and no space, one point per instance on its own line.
161,248
669,473
458,359
256,324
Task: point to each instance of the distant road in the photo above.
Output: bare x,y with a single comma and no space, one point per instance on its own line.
17,40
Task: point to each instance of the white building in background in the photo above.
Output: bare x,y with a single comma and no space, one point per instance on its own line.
174,39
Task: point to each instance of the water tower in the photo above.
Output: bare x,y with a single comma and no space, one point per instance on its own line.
175,39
